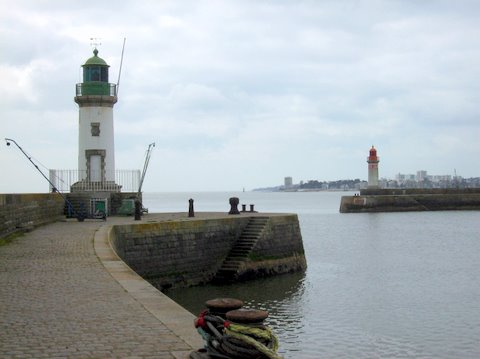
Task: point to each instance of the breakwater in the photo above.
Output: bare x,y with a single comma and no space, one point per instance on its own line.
401,200
24,211
181,251
191,251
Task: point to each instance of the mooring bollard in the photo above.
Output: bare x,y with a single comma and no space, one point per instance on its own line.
251,208
220,306
191,212
244,207
230,331
138,210
234,205
247,316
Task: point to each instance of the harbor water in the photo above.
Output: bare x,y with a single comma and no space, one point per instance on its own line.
379,285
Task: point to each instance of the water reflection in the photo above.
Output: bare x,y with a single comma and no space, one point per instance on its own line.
281,296
385,285
281,289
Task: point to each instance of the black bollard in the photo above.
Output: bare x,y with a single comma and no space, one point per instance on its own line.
81,215
220,306
138,210
244,207
191,212
234,205
247,316
251,208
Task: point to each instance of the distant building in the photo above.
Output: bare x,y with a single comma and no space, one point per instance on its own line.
288,182
422,179
402,178
421,176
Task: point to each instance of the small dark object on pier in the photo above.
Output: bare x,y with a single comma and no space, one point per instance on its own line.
234,205
191,212
138,210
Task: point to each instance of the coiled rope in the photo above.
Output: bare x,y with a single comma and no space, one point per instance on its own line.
225,339
261,338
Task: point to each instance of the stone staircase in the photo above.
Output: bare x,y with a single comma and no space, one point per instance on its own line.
241,250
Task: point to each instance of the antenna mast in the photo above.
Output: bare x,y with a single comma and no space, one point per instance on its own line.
121,63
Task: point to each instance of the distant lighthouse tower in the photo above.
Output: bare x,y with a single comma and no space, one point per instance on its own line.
96,97
372,161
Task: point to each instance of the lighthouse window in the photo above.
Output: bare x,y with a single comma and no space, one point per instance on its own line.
95,128
95,73
104,72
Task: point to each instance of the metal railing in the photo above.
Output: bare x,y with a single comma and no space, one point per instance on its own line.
96,88
81,181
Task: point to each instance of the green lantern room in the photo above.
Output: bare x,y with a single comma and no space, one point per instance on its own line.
95,78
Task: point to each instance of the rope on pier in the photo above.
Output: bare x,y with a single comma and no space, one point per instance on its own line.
224,339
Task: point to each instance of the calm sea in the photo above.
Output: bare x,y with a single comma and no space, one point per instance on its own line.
384,285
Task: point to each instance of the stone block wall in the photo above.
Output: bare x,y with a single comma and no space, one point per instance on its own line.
190,252
279,249
25,211
411,202
177,253
280,238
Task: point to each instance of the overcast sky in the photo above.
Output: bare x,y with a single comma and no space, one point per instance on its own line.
240,94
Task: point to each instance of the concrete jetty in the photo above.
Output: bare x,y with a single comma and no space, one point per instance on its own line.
64,293
411,199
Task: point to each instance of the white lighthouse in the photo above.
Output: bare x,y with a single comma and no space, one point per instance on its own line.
96,187
96,97
372,161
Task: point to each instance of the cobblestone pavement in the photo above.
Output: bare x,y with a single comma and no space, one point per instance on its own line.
58,301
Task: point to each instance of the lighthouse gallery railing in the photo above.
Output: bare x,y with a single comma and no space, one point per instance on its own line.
125,181
96,88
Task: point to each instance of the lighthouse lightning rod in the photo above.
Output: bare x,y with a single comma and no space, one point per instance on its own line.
54,189
121,63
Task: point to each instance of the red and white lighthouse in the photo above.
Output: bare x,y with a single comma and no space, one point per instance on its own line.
372,161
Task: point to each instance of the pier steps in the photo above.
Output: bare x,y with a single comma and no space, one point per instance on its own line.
240,251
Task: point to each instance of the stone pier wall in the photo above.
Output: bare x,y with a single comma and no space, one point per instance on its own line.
417,200
279,250
24,211
190,252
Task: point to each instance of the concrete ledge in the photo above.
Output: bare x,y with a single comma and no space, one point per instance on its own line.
171,314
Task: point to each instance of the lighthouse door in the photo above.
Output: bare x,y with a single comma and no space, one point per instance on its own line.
95,168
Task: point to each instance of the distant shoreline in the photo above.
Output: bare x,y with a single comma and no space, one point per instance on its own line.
306,190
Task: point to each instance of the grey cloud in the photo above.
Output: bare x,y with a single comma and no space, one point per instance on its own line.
310,84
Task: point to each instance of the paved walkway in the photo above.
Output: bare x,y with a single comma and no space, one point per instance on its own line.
65,294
